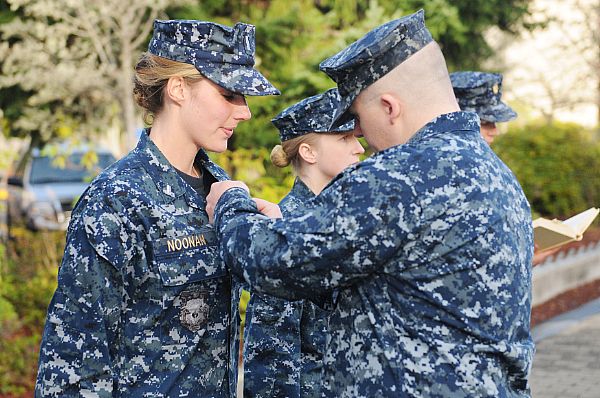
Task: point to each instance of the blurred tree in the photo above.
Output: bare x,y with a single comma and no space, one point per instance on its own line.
68,63
12,99
582,44
564,80
72,62
458,25
558,166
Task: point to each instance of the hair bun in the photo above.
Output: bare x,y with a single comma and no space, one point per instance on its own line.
279,157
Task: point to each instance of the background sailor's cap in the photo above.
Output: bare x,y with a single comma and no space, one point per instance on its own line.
311,115
481,92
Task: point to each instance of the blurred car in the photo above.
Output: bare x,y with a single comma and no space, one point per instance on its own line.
41,194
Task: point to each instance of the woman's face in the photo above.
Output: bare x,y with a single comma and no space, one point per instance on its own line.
489,131
335,152
211,113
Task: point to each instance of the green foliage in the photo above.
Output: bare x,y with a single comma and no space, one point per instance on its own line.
28,273
460,26
8,315
254,167
292,38
558,166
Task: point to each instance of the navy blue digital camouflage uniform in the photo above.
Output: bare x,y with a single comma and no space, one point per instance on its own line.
481,92
284,341
431,242
142,307
315,312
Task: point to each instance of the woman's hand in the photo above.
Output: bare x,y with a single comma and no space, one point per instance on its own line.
267,208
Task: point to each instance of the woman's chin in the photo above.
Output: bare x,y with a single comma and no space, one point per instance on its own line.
217,148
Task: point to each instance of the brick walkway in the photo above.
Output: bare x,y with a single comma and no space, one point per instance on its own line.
567,361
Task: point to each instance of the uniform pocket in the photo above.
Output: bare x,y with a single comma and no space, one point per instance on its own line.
196,287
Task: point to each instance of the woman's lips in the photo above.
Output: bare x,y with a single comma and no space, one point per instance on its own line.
228,131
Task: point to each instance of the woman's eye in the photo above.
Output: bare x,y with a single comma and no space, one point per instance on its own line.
234,98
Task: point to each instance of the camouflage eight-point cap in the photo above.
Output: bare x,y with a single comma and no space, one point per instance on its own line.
223,54
374,55
311,115
481,92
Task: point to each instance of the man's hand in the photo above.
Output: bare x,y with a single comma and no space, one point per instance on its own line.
216,191
540,256
267,208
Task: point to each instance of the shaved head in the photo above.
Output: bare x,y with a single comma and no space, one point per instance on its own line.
420,80
420,87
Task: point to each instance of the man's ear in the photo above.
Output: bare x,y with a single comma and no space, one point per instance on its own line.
307,153
392,107
175,89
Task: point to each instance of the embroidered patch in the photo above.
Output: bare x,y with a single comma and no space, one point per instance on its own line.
193,314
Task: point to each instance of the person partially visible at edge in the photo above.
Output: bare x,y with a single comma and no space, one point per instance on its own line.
481,92
143,299
430,239
284,341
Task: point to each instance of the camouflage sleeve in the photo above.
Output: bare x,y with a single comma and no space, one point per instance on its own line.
272,347
334,244
78,350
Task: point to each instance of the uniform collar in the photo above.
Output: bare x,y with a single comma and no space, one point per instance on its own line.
448,122
301,190
164,175
216,171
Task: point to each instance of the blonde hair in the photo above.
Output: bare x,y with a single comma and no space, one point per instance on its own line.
151,76
288,152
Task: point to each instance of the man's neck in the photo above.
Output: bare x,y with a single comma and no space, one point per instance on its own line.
423,118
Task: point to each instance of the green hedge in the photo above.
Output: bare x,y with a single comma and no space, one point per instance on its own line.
28,271
557,164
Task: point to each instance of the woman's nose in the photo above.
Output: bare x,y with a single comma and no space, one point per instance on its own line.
359,148
243,112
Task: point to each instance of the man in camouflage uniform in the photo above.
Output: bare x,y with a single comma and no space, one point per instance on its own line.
481,92
143,299
430,238
284,341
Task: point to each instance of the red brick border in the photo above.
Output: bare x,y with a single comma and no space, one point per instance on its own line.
564,302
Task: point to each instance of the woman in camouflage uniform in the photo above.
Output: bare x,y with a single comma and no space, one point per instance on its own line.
143,299
285,340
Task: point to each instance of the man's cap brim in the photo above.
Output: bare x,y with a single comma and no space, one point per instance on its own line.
342,114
